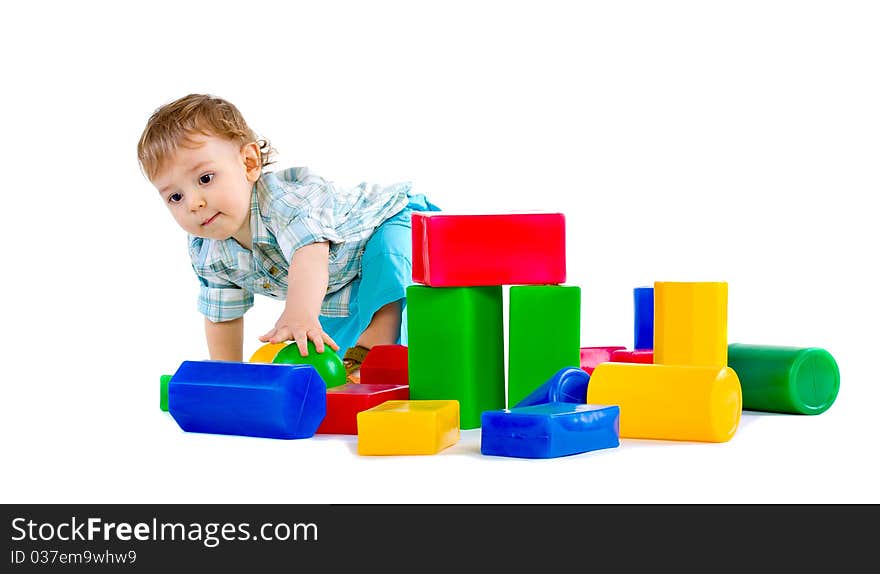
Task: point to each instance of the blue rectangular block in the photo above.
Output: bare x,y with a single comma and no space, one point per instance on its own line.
550,430
643,299
248,399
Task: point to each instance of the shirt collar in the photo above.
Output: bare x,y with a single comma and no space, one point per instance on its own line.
259,205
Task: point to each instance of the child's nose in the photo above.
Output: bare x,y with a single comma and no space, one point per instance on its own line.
196,201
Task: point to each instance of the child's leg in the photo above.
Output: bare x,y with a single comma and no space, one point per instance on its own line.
386,272
384,329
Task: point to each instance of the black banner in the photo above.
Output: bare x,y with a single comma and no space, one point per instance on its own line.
269,538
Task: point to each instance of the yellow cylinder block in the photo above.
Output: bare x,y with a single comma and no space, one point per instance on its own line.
266,353
670,402
690,323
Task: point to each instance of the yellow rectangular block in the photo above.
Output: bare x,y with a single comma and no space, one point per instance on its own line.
690,323
408,427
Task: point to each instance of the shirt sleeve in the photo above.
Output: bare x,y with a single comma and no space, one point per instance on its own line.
303,210
303,230
222,301
304,215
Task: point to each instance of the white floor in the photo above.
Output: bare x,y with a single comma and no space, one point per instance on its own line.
82,445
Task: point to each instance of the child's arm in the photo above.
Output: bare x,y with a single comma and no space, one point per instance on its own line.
225,339
306,288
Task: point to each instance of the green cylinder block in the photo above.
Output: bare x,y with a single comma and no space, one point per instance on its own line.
798,380
328,364
163,392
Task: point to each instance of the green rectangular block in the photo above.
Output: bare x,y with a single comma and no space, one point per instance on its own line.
544,336
456,347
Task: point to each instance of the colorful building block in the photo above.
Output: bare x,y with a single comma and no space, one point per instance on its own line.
473,250
690,323
670,402
643,356
456,347
592,356
568,385
549,430
386,365
553,310
163,392
346,401
249,399
797,380
408,427
643,313
328,364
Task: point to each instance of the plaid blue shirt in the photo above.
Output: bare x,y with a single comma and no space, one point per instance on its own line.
290,209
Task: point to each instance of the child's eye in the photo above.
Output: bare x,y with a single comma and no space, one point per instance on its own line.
205,179
175,198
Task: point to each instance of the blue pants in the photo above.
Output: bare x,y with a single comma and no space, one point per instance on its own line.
386,272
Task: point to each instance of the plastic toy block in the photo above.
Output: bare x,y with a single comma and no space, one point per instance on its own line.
670,402
456,347
163,392
474,250
568,385
643,356
690,324
346,401
328,364
266,353
797,380
553,310
408,427
248,399
643,313
592,356
550,430
386,365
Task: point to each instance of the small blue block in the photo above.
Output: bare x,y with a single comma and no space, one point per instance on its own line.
550,430
568,385
248,399
643,300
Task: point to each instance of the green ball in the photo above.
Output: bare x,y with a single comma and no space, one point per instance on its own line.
328,364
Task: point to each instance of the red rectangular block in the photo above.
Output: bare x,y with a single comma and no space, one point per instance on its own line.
476,250
386,365
645,356
592,356
346,401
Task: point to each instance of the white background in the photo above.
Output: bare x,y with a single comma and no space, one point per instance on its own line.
710,141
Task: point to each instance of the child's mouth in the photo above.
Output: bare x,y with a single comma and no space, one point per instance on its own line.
210,219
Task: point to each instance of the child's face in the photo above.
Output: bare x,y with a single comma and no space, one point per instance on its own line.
207,186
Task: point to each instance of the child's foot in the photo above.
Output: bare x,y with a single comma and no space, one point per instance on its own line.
352,360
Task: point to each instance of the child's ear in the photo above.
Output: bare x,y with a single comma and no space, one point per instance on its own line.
250,155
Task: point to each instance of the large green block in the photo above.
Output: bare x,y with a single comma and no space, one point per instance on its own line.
456,347
544,336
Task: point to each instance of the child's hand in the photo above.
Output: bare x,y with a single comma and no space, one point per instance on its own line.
299,328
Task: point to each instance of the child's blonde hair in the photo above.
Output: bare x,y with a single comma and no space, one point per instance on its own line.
171,125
